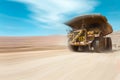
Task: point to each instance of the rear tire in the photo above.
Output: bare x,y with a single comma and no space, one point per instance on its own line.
108,44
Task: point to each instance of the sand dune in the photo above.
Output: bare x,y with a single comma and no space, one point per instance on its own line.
58,63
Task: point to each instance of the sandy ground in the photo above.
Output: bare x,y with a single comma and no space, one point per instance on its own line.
60,65
16,44
56,63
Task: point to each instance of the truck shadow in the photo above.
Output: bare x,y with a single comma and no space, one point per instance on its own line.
104,52
116,50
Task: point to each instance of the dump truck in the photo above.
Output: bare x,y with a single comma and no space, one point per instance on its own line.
89,32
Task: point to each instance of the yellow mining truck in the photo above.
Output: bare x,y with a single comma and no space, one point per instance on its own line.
89,33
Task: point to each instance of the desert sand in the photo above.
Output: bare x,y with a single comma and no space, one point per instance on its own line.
26,59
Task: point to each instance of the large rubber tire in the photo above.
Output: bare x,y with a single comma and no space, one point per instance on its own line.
108,44
84,48
99,45
73,48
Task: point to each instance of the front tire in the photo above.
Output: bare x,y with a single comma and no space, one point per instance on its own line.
73,48
99,45
84,48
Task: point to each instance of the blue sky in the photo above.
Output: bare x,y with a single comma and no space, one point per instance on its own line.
46,17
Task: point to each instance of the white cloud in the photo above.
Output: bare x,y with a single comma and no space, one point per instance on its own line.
52,11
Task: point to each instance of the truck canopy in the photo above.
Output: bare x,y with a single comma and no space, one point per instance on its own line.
91,22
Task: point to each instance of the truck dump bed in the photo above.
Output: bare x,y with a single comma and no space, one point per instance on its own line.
91,22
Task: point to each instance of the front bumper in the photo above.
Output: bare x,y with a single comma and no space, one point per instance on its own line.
80,43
